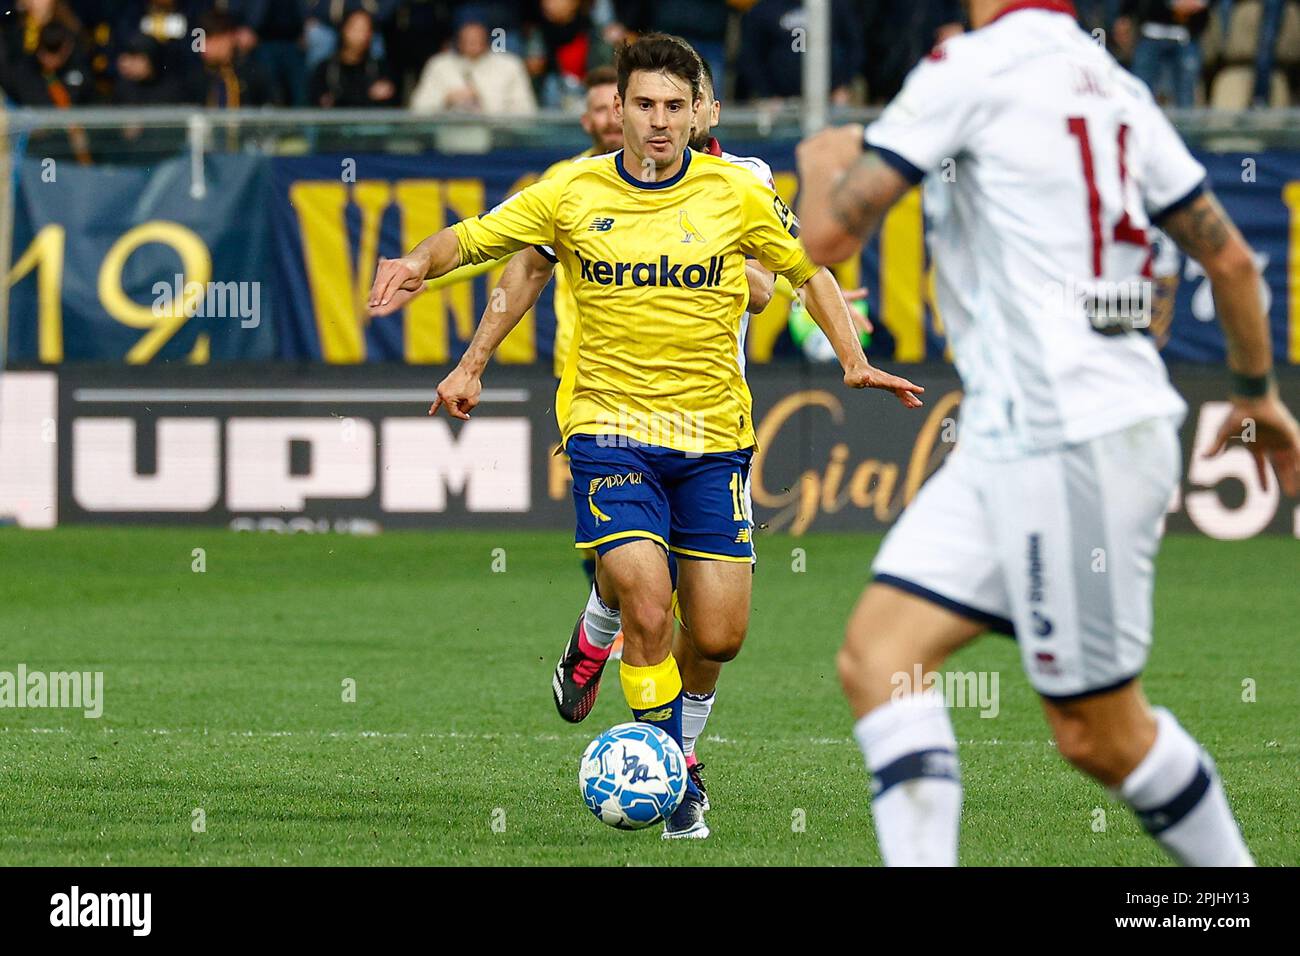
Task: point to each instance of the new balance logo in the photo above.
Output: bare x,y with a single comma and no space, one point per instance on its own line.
601,224
742,536
661,273
656,716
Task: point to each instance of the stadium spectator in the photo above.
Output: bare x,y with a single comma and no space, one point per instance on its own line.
228,79
562,48
353,77
52,74
51,78
418,30
272,32
1168,53
774,38
20,33
473,77
1269,26
896,34
139,80
170,24
701,23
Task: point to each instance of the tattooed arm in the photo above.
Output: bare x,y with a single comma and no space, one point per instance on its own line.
843,193
1203,230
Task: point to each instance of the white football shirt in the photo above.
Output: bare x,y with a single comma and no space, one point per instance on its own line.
764,173
1046,163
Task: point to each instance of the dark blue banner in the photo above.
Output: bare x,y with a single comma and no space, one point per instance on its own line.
127,265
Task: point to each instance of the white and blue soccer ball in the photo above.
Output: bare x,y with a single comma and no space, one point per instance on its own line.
632,776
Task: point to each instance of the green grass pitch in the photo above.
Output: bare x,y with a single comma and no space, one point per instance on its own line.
223,692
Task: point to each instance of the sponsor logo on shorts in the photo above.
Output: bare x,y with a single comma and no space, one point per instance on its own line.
1042,624
1035,568
1045,663
742,536
616,481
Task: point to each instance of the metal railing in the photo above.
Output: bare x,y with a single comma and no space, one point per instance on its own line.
135,135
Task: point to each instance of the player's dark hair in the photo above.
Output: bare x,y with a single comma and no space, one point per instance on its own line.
601,75
659,53
708,76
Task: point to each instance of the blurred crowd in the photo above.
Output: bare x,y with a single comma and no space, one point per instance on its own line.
492,56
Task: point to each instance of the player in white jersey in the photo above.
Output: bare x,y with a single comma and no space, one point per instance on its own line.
1045,520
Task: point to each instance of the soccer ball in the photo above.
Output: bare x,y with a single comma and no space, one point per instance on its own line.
632,776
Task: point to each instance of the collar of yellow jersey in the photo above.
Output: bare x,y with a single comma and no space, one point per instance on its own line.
672,180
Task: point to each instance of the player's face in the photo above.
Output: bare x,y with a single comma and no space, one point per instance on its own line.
706,117
658,111
602,121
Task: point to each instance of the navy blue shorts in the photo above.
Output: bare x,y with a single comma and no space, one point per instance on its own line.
695,506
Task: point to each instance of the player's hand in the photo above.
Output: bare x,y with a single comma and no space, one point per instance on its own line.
392,276
830,152
868,376
459,392
400,299
1274,437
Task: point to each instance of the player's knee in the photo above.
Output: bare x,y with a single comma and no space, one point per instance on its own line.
719,644
865,652
646,619
855,662
1085,748
847,665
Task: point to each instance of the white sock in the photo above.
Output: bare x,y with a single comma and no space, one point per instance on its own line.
911,753
600,622
1179,800
695,714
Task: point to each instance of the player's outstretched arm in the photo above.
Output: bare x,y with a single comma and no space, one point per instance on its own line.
825,303
843,194
435,256
522,282
1203,230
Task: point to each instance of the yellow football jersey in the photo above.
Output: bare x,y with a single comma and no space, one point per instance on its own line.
565,305
658,273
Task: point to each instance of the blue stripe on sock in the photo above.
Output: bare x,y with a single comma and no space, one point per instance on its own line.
1159,819
668,718
937,762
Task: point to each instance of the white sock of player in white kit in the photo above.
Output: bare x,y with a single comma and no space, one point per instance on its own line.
600,622
911,753
1178,797
695,714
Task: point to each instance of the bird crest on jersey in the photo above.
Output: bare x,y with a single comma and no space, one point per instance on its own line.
689,232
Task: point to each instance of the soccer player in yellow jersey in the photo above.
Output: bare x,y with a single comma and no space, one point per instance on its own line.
653,239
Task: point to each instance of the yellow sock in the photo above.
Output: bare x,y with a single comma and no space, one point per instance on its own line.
649,688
